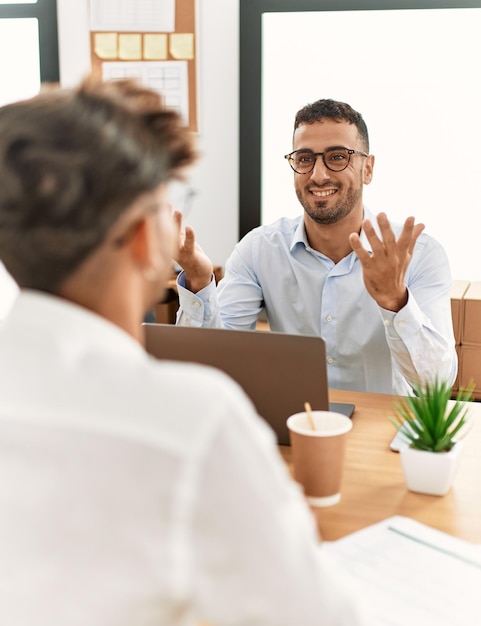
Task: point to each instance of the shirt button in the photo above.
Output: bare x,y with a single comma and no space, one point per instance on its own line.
387,323
328,318
197,305
330,360
402,323
211,298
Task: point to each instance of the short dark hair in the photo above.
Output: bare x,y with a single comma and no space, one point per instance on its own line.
333,110
71,162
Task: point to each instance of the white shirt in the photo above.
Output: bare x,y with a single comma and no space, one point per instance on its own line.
304,292
8,292
135,492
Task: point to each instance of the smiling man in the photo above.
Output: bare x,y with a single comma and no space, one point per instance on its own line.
378,293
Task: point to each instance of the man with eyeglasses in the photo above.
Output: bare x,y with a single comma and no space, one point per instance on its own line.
378,293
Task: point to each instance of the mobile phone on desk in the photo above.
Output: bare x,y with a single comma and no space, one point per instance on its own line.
400,440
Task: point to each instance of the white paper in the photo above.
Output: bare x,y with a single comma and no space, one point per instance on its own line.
169,78
409,573
132,15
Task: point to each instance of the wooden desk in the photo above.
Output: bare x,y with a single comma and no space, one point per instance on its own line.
373,483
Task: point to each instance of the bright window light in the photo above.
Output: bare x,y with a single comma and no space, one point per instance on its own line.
20,68
413,74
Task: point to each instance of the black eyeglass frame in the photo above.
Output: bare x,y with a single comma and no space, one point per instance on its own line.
349,151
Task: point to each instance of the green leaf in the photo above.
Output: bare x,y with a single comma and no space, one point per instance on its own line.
434,423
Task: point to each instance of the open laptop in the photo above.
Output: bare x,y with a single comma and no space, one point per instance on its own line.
279,372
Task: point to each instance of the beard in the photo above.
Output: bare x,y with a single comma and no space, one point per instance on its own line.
323,211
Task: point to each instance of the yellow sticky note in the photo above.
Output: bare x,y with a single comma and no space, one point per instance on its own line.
105,45
155,47
130,47
182,45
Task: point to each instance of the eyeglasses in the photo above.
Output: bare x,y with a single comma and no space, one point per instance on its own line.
181,196
336,160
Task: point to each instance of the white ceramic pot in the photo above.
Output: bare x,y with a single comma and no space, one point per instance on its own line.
430,472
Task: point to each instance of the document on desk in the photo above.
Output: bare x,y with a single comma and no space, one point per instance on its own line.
409,573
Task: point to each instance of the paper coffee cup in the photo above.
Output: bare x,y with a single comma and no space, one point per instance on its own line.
318,455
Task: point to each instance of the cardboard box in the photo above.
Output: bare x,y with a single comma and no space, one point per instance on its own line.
470,368
456,382
458,290
471,332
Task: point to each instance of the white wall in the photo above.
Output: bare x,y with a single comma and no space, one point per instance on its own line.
215,211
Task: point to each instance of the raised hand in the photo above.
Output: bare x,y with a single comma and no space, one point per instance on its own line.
385,268
196,264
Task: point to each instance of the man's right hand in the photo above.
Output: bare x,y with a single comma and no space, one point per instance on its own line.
197,266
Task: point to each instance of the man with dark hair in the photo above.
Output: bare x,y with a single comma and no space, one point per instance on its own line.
132,491
378,293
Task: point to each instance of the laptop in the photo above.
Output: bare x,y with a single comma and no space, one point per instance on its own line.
279,372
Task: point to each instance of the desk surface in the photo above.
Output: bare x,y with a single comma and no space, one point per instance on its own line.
373,483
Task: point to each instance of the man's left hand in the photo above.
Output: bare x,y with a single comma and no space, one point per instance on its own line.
385,268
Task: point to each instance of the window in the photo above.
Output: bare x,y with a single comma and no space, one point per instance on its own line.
28,47
410,69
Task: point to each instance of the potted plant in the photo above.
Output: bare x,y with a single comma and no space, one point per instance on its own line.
431,424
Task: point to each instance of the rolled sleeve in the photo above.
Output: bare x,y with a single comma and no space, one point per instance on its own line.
197,309
419,351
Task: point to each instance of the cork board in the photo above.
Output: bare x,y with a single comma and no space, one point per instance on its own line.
165,61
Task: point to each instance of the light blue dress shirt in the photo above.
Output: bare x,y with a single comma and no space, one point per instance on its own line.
368,348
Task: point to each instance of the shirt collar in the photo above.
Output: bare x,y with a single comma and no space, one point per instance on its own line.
368,215
299,236
71,324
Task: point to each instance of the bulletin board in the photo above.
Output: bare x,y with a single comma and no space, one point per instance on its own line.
152,41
